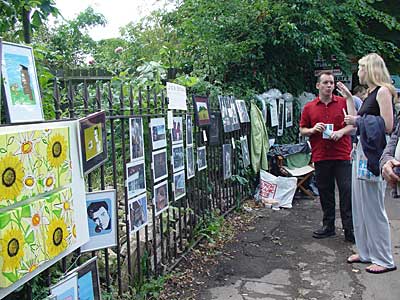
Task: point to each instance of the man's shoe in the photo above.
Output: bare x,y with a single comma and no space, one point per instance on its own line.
324,232
349,236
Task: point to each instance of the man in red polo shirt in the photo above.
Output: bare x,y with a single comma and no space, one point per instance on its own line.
322,121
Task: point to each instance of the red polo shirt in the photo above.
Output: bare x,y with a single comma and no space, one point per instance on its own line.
332,113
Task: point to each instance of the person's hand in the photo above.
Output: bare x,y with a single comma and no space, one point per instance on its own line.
388,174
349,119
336,135
343,90
319,127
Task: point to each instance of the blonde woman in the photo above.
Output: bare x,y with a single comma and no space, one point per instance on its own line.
374,119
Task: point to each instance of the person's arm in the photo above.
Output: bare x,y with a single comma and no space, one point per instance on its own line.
319,127
347,130
344,91
387,161
384,99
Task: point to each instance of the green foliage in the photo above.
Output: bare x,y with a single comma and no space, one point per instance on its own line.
209,227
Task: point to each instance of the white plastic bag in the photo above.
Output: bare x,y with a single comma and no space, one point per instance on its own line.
278,190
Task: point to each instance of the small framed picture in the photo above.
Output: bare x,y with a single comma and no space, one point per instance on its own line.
136,178
242,111
233,114
189,130
88,280
93,141
21,85
101,213
177,130
190,162
227,160
245,151
160,170
158,133
137,208
226,120
66,288
289,113
201,110
179,185
136,138
201,158
178,158
214,131
160,198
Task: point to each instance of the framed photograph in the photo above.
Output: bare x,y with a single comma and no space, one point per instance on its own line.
66,289
214,131
245,151
160,197
201,158
289,113
88,280
190,162
21,84
136,138
93,141
233,114
242,111
178,158
138,217
227,160
101,210
160,170
189,130
226,120
201,110
136,178
179,185
177,130
281,116
158,133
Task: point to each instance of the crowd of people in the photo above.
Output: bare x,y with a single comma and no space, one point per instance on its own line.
348,136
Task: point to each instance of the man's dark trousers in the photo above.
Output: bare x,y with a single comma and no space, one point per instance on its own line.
326,172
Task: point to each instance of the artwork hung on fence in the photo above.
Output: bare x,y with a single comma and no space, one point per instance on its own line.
93,141
242,111
178,158
66,289
201,110
21,84
227,160
281,116
233,114
214,131
190,170
160,170
160,198
158,136
176,96
245,151
136,178
102,220
137,208
201,158
273,109
88,280
189,130
289,113
177,130
136,138
179,185
226,121
39,199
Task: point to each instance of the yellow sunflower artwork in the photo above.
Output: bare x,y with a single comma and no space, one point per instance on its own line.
12,249
57,150
57,237
12,174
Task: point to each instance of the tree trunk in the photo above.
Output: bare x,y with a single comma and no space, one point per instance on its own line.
26,25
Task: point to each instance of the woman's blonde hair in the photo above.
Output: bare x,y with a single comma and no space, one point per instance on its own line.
377,72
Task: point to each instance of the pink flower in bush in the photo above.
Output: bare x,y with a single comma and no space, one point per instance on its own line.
118,50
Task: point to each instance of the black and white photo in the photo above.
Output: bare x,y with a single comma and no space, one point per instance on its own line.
189,130
179,185
245,151
136,138
242,111
201,158
190,170
227,160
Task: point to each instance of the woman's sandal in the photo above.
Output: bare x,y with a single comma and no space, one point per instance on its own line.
381,271
355,258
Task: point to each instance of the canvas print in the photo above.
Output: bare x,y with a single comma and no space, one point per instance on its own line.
93,141
177,130
214,131
245,151
179,185
201,158
158,135
160,197
201,110
101,213
227,160
160,170
242,111
66,289
178,158
190,170
21,84
189,130
289,113
136,178
136,138
226,120
137,208
88,280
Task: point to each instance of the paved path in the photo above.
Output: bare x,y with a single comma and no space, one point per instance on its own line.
279,259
